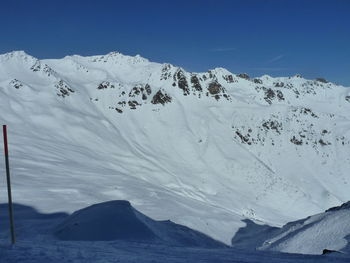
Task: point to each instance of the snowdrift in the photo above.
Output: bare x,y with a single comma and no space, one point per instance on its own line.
329,230
325,231
35,241
118,220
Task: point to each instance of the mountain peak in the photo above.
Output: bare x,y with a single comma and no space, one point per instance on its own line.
221,71
18,54
117,57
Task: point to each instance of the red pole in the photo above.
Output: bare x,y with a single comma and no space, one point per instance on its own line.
12,228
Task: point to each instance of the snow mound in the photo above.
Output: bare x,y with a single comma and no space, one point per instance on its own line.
118,220
329,230
106,221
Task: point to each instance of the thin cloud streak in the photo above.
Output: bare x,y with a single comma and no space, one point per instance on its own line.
277,58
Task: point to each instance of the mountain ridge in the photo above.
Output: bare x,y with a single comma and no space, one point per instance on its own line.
268,149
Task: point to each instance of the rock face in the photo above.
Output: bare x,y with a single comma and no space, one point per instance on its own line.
160,98
322,80
243,76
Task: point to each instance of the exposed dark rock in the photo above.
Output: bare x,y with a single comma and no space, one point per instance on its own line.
257,81
296,141
243,76
102,86
195,83
16,84
134,91
228,78
273,125
280,95
63,88
140,91
279,84
118,110
36,67
214,88
269,95
297,93
44,68
133,104
244,139
321,80
160,98
105,85
148,89
165,72
182,82
347,98
323,143
308,111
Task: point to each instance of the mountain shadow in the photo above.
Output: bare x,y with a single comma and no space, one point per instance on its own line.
28,221
252,235
118,220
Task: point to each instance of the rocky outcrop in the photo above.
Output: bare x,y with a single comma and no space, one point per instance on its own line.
160,98
63,89
243,76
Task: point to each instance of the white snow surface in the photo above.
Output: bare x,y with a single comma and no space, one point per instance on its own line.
205,150
110,232
329,230
118,220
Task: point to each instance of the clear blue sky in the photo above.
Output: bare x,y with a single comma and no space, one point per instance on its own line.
281,37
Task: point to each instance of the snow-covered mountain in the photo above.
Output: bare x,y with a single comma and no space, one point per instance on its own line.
206,150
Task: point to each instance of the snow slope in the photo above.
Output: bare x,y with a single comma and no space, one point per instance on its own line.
36,243
205,150
118,220
329,230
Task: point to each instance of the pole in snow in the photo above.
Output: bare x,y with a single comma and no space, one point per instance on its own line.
12,228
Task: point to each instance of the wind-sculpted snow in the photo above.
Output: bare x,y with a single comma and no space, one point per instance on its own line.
118,220
36,242
314,234
206,150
